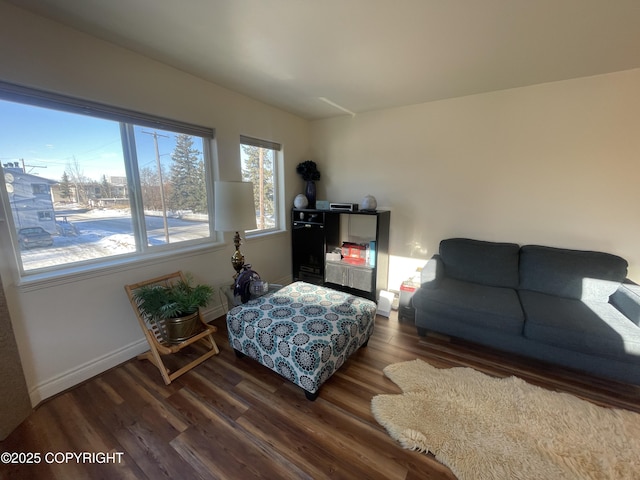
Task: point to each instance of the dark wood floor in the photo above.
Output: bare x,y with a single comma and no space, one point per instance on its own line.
234,419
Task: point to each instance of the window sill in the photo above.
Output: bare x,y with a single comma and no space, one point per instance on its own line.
73,274
258,234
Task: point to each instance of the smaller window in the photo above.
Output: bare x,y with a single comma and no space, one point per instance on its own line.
45,216
259,165
40,188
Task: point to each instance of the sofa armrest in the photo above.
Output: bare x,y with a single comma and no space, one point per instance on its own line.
432,272
627,300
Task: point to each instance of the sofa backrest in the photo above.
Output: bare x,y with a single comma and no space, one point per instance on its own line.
577,274
477,261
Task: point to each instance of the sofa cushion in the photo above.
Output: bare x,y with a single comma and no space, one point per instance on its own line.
489,307
595,328
576,274
487,263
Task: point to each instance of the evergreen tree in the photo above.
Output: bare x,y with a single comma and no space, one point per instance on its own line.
105,188
65,186
257,167
187,180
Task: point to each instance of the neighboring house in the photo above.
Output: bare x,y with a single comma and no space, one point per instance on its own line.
117,193
71,196
93,193
30,198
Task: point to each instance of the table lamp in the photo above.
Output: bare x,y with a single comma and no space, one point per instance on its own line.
234,211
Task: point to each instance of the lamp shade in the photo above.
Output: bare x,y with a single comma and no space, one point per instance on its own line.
234,206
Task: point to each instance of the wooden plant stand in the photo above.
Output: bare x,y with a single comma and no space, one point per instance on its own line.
154,333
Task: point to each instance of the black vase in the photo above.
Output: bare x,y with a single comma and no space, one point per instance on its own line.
310,193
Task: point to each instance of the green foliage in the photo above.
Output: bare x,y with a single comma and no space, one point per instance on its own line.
105,188
170,301
65,186
187,177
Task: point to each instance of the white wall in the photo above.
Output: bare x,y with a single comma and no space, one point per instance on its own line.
72,329
555,164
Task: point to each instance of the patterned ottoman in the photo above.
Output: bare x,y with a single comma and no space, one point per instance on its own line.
303,332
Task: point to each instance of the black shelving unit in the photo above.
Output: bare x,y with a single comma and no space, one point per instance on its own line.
318,232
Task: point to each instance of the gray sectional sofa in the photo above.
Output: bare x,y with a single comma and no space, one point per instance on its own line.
569,307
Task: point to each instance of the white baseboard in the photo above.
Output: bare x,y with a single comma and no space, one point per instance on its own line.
213,313
79,374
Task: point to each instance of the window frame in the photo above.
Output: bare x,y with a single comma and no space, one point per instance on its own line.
143,252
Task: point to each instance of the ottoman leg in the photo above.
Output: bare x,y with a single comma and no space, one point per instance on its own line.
366,343
238,353
311,396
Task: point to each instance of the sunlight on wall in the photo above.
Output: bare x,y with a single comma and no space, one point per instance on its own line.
401,269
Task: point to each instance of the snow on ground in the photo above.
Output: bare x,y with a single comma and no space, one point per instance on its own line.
103,212
105,233
88,245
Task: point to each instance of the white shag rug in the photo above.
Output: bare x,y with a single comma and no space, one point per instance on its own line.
489,428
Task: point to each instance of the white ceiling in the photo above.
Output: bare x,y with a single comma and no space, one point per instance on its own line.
362,55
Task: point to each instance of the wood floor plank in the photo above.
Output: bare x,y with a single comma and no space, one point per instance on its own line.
211,394
151,450
327,427
232,452
311,427
39,433
76,425
234,418
285,437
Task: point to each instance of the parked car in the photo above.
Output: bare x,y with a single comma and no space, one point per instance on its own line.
30,237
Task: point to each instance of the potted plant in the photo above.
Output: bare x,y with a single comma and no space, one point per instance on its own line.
308,170
173,308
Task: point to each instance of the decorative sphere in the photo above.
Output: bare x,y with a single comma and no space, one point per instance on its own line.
368,203
300,201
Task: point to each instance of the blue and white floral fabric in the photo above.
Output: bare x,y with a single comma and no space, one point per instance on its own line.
304,332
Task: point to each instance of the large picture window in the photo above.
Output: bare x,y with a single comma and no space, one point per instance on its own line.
113,182
259,166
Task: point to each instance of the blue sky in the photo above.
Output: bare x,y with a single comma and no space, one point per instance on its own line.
49,141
